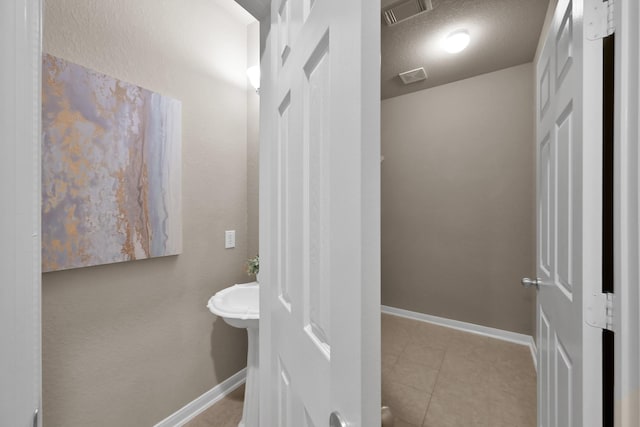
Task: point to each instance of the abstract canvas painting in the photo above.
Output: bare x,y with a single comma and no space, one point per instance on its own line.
111,175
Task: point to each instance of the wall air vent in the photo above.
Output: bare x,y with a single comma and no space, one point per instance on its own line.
405,9
413,76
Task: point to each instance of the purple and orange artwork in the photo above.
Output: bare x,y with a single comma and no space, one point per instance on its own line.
111,169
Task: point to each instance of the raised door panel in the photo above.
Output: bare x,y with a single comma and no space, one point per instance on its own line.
565,171
317,200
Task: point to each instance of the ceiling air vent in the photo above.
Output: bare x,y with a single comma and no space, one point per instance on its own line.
405,9
413,76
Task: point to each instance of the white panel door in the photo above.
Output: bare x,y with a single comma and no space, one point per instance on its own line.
20,372
320,214
569,258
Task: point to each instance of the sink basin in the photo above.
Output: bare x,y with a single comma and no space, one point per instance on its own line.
238,305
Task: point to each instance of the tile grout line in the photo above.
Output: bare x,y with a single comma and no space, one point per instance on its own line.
435,383
411,339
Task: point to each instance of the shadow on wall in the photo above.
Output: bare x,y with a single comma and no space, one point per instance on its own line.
235,340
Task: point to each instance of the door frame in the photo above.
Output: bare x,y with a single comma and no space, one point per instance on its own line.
627,215
20,189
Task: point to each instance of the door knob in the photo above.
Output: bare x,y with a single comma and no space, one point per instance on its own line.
335,420
528,283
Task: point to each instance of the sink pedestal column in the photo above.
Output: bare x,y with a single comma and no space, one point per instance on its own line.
251,409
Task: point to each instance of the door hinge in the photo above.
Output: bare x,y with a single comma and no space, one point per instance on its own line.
600,311
599,19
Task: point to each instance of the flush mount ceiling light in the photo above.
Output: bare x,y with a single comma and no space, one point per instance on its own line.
456,41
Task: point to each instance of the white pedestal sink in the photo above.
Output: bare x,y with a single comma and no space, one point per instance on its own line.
239,306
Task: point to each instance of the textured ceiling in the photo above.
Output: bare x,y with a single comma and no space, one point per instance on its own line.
504,33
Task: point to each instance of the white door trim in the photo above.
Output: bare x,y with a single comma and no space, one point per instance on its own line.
264,193
20,271
627,211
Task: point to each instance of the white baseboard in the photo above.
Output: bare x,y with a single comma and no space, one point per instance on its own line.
486,331
208,399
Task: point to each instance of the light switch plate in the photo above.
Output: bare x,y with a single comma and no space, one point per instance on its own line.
230,239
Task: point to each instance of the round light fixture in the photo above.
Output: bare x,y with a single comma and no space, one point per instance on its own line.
456,41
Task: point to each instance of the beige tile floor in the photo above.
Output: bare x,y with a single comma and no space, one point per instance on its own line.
440,377
437,377
225,413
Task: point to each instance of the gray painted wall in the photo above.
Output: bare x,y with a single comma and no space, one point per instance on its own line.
458,188
128,344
